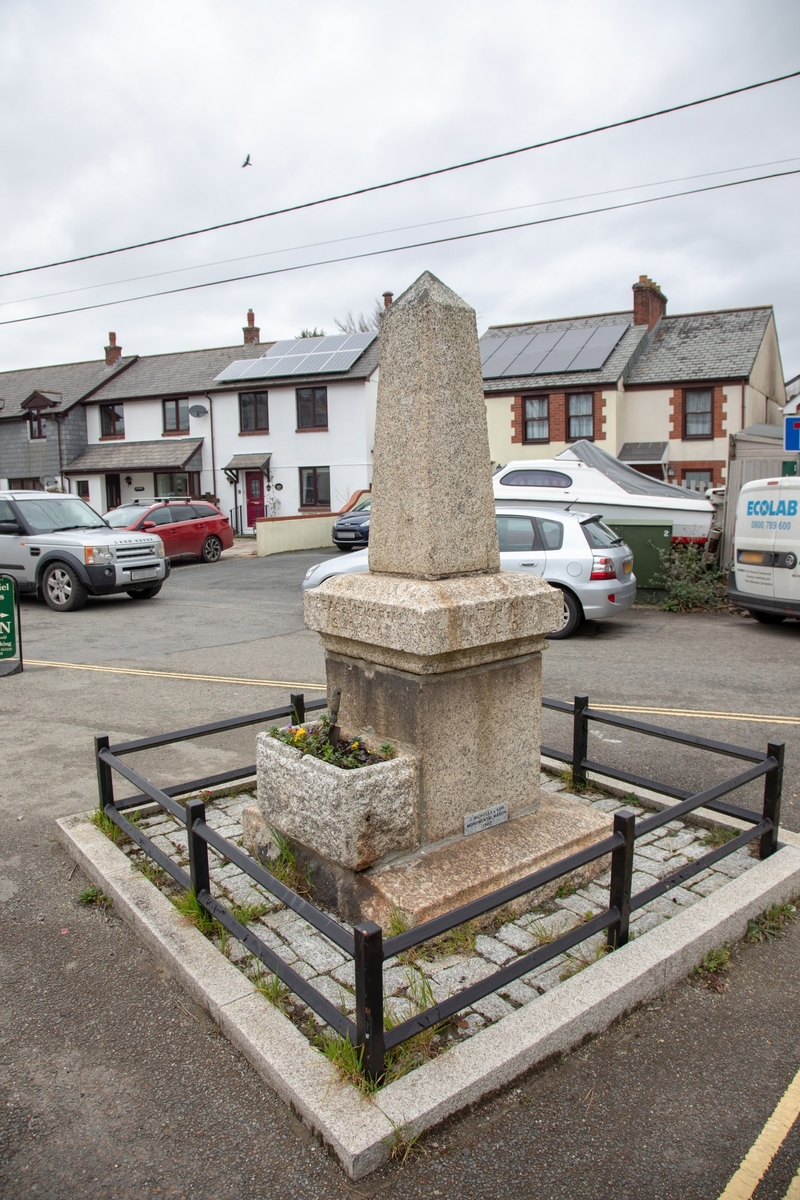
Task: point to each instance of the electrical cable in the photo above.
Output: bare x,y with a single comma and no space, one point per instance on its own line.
456,237
355,237
377,187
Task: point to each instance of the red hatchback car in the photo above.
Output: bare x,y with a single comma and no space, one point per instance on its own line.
188,530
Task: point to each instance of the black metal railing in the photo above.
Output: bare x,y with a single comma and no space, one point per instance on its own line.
366,945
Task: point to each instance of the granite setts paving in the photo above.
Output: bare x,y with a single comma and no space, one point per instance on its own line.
412,984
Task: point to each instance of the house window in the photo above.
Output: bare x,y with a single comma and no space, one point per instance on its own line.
176,416
177,483
698,481
24,485
82,488
697,414
312,408
36,425
254,412
112,421
537,419
580,419
315,486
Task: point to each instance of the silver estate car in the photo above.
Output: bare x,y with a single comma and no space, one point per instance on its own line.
573,551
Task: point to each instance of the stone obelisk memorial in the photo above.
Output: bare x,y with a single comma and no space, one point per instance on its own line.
435,649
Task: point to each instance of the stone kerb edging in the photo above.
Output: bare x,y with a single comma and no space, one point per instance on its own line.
360,1131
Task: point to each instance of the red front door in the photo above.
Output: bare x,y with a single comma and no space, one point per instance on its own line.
254,487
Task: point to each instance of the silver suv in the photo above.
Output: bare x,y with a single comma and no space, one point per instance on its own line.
575,552
57,546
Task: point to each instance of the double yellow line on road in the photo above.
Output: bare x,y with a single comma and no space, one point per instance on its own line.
629,709
275,683
756,1162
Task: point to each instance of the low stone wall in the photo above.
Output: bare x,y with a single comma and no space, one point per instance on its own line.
275,535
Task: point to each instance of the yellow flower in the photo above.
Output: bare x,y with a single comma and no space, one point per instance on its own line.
301,733
354,746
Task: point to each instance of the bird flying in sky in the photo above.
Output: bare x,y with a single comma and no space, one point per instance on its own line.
247,162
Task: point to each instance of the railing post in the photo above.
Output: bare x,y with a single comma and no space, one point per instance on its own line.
105,777
369,996
298,703
773,786
198,848
580,741
621,875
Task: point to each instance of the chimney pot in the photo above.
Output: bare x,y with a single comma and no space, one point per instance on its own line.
387,299
251,331
649,302
113,351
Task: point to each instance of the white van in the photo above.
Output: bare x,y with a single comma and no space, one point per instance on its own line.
765,576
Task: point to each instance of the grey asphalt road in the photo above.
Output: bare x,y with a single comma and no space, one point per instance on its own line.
113,1086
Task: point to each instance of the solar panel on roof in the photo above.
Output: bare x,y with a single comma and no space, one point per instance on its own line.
302,356
533,354
598,348
507,353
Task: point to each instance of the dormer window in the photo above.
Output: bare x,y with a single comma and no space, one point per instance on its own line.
37,425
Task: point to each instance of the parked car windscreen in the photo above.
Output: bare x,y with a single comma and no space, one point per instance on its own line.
363,505
68,512
599,536
119,518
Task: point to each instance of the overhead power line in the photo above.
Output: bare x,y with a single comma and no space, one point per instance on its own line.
377,187
358,237
455,237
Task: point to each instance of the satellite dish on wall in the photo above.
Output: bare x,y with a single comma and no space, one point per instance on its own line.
48,481
197,410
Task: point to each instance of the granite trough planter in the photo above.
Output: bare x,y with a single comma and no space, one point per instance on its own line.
351,817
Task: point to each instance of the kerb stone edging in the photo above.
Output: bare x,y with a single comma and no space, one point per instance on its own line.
358,1131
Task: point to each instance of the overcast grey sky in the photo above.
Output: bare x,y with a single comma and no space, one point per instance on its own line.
121,122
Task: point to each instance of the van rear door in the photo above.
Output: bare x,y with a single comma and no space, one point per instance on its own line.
786,575
754,541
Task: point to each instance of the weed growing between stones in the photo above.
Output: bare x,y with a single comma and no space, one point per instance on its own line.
152,871
245,913
460,940
93,896
769,925
273,988
713,967
190,907
403,1142
581,958
285,867
112,831
718,836
315,740
565,890
346,1059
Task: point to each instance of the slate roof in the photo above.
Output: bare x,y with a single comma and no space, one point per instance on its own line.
702,346
72,381
169,454
181,373
609,374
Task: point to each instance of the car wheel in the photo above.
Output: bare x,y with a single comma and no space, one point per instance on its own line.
62,589
144,593
573,616
212,548
767,618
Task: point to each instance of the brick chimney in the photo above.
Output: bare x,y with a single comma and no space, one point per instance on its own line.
649,302
387,299
250,330
113,351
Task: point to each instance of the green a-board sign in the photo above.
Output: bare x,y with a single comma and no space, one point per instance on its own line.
10,639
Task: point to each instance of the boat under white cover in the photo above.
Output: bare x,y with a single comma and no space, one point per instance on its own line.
586,477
